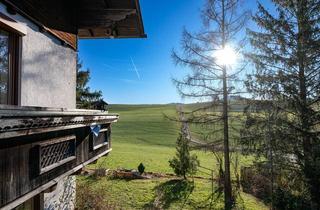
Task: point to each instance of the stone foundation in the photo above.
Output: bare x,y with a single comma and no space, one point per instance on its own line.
63,197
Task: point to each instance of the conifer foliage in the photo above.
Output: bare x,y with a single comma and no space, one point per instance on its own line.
183,163
85,96
287,61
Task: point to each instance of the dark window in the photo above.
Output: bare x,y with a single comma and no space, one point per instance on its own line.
9,54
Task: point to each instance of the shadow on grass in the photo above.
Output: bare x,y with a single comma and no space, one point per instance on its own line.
170,192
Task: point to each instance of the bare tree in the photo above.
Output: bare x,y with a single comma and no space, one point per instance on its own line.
212,78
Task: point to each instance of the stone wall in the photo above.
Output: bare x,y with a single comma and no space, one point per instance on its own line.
63,197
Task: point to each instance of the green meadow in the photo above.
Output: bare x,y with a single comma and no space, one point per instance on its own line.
144,135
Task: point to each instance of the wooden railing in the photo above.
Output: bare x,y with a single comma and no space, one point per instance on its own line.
39,146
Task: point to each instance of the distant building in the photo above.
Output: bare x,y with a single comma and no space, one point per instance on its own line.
100,105
40,147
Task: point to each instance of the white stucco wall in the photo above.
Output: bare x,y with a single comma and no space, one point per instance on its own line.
48,69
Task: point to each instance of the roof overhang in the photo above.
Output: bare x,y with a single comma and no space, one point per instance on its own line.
87,19
110,19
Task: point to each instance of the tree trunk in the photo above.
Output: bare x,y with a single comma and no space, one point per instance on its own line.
227,181
309,162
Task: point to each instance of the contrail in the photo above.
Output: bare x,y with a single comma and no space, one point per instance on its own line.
135,68
109,67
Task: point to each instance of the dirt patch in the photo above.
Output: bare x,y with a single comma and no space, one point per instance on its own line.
133,174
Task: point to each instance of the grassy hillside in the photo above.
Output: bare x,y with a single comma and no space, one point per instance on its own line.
144,135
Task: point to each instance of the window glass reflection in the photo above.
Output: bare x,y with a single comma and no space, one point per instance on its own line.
4,67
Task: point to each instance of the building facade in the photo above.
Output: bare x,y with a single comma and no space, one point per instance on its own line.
44,140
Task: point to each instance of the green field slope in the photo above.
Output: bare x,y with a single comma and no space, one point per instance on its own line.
144,135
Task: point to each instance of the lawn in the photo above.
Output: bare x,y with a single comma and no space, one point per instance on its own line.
144,135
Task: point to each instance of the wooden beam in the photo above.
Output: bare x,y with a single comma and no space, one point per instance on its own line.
91,32
139,20
24,132
15,121
46,17
102,17
42,188
13,25
38,201
15,111
106,3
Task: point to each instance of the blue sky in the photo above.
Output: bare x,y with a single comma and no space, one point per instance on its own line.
139,71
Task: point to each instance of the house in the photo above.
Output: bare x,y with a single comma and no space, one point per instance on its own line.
100,105
40,147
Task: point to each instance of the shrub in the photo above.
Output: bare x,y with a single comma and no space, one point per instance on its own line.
256,183
183,163
284,199
141,168
288,194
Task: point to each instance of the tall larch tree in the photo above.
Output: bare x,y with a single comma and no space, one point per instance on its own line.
210,78
287,61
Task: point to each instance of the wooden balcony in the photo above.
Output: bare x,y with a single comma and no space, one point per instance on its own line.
40,146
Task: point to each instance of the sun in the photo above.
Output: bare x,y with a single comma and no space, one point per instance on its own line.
225,56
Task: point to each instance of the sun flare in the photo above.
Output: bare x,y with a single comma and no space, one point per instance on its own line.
225,56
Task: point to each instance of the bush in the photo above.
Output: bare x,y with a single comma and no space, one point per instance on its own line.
284,199
256,180
141,168
255,183
183,163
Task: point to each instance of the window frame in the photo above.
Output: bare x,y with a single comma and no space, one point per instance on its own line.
104,134
14,67
14,58
70,140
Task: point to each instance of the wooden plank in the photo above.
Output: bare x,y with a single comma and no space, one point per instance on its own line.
56,14
11,177
97,16
100,145
3,171
58,17
13,25
24,173
68,38
57,140
67,19
11,134
11,110
53,182
55,165
19,161
115,4
85,148
104,130
20,122
102,18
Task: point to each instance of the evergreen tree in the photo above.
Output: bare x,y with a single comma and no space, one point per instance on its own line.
83,93
287,61
211,78
184,163
259,137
